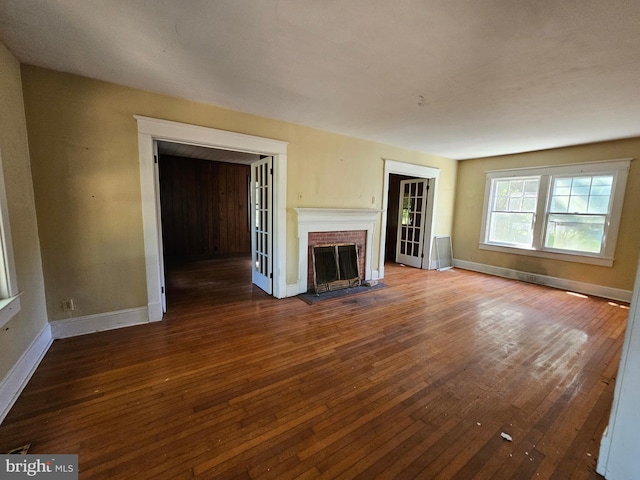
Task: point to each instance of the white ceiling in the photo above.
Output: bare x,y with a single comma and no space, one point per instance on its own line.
458,78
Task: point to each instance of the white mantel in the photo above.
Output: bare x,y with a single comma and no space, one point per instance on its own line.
333,220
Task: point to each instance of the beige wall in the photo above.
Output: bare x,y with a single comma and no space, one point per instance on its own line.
83,141
469,204
19,333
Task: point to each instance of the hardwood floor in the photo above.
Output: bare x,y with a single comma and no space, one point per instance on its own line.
416,380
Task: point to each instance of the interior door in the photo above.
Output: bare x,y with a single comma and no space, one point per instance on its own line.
262,223
411,221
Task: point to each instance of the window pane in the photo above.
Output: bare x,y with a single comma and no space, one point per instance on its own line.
581,233
511,228
515,204
516,187
529,204
502,188
581,182
578,204
598,204
531,187
562,186
559,204
603,180
501,204
601,190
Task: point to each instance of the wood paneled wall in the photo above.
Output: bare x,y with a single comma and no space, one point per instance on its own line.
205,208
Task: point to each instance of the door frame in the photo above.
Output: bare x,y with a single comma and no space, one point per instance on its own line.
151,130
417,171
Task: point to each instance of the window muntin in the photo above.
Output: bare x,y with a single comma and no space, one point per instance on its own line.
576,217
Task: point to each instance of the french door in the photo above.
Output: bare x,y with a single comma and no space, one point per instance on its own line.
411,222
262,224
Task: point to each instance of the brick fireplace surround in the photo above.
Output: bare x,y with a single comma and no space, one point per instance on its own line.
359,237
331,226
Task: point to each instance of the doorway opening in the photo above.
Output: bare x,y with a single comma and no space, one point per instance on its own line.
409,214
205,203
273,186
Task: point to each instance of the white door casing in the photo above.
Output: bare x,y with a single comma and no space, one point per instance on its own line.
150,129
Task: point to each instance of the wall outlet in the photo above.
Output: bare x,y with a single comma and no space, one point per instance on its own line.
67,305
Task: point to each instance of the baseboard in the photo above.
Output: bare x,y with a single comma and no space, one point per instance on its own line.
603,456
292,290
14,382
564,284
73,327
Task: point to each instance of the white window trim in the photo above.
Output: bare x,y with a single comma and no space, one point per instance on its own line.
9,294
618,167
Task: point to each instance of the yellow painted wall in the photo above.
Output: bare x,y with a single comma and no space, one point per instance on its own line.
19,332
469,204
83,141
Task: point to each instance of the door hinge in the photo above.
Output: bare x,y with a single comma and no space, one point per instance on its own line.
155,159
271,275
162,289
271,171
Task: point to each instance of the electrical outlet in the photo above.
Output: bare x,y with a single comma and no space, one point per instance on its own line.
67,305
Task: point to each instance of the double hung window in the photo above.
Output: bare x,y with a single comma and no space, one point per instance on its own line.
9,295
569,212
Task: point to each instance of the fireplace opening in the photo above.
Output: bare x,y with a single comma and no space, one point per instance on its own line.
335,267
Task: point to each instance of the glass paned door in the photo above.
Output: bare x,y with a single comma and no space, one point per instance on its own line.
262,223
411,219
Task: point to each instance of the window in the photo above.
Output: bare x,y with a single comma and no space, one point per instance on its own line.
9,296
513,208
568,212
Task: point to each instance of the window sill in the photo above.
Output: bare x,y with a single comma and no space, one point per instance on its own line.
9,307
566,257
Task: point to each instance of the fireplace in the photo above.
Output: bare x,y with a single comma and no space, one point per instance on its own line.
335,267
324,226
354,237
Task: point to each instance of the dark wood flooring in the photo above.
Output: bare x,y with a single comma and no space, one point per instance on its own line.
414,381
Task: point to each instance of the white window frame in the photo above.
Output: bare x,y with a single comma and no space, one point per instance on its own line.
9,294
619,168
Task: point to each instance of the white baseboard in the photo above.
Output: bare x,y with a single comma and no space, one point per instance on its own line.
555,282
292,290
603,456
155,311
14,382
73,327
